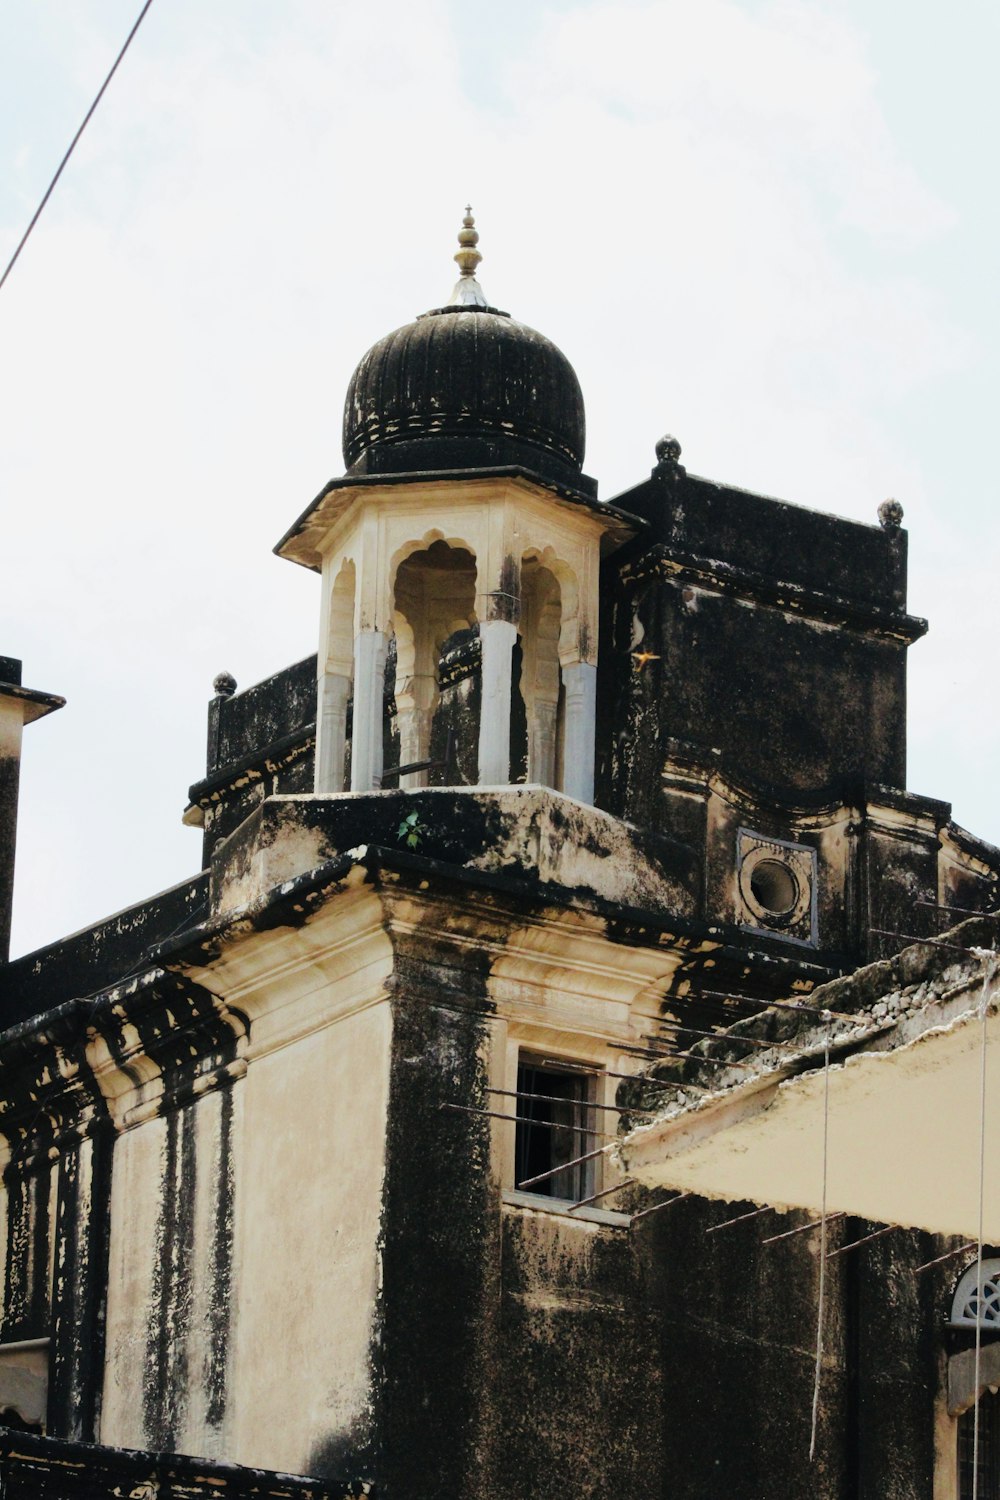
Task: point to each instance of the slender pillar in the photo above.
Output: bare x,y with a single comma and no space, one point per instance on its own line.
542,741
580,682
414,717
497,638
331,731
369,684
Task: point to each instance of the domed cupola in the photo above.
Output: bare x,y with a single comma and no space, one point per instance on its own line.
465,386
463,515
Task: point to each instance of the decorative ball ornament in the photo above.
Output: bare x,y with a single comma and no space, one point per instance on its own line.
224,685
890,515
668,450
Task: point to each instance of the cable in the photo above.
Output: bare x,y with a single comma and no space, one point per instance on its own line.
824,1221
984,1005
72,144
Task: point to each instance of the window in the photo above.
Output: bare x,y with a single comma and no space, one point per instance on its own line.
976,1304
977,1300
988,1487
555,1127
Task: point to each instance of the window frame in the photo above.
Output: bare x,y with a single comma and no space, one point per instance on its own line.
601,1173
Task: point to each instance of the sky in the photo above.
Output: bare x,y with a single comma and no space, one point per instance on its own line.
766,226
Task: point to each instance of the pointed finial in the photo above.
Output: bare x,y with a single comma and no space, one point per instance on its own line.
467,291
468,258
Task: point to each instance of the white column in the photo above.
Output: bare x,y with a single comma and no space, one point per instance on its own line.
497,638
331,731
369,687
580,683
542,741
414,717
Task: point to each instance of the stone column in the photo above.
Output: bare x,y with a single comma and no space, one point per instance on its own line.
542,741
333,690
497,638
414,716
580,683
369,685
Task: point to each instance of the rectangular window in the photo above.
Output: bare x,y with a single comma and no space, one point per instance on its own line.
988,1487
555,1128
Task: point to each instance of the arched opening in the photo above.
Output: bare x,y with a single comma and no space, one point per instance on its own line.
434,601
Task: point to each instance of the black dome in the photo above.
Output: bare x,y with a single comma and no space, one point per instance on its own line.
465,387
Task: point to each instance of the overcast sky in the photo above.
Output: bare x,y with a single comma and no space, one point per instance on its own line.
769,228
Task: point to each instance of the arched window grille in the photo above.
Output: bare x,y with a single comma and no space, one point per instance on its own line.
977,1297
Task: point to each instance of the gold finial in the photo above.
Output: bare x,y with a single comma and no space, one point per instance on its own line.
467,292
468,257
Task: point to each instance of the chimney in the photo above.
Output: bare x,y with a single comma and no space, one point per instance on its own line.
18,706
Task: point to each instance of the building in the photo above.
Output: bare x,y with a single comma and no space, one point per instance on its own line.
309,1159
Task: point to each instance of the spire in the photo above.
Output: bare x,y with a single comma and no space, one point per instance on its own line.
467,292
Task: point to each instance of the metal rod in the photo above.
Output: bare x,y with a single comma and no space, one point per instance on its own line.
753,1214
604,1193
554,1171
948,1255
719,1062
414,765
796,1006
494,1114
875,1235
642,1051
728,1035
696,1088
657,1206
907,937
660,1083
803,1228
425,765
968,911
577,1103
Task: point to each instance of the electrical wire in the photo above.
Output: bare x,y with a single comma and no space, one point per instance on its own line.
72,145
824,1221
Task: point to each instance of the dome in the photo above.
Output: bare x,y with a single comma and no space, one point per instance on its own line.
465,386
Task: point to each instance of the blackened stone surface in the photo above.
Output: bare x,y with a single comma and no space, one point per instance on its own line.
778,702
774,539
463,388
100,955
736,1344
43,1468
776,639
577,1399
268,711
529,834
440,1232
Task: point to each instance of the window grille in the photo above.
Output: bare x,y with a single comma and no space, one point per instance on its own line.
977,1301
988,1487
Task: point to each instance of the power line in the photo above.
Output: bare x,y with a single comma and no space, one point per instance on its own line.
72,144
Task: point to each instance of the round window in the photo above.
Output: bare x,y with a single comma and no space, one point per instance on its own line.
774,887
